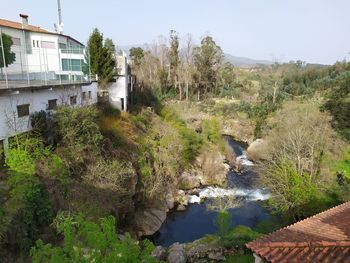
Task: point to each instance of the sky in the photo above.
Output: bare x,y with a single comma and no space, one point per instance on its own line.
315,31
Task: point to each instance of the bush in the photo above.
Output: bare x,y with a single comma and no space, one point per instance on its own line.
238,237
86,241
27,210
223,223
191,141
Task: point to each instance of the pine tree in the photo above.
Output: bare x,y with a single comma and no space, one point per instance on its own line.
101,57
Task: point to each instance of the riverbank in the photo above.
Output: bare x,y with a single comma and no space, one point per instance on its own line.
191,230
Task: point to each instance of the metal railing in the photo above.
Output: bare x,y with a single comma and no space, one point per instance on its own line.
36,66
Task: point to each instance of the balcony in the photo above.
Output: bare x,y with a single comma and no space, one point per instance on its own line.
44,67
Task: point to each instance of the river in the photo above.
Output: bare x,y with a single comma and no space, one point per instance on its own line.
241,198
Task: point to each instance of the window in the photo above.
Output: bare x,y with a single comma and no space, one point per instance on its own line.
122,103
33,43
37,43
52,104
73,100
16,41
48,44
62,45
90,95
72,64
83,95
23,110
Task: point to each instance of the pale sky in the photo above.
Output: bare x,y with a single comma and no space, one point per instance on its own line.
311,30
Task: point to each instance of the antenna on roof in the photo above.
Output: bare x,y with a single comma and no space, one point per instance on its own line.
59,26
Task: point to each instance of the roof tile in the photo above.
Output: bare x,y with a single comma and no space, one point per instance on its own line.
324,237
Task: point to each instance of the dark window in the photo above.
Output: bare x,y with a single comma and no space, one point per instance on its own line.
83,95
23,110
33,43
52,104
122,102
73,100
72,64
90,96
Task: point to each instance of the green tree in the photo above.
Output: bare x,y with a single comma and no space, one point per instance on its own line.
110,45
136,54
207,59
10,56
86,241
174,56
101,58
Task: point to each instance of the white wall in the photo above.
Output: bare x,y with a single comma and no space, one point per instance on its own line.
118,90
10,124
93,89
39,59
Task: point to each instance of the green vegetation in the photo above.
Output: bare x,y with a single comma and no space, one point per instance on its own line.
240,259
101,57
5,49
86,241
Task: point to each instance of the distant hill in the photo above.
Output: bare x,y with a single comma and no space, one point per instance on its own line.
243,62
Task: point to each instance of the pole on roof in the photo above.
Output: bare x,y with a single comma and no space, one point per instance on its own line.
59,27
3,57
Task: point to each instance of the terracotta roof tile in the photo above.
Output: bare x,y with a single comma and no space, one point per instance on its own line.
17,25
324,237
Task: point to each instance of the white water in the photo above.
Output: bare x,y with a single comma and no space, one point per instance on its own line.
243,160
214,192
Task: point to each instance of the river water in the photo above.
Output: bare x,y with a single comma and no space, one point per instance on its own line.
241,198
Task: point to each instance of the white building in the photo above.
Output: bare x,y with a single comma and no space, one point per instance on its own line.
120,90
50,69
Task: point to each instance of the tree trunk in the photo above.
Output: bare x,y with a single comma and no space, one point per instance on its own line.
180,91
186,90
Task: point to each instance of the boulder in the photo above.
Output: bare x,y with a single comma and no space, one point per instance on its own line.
181,198
170,201
256,150
188,181
159,253
149,221
177,254
181,208
212,167
198,251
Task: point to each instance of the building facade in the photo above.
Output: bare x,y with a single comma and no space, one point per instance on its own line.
49,70
120,90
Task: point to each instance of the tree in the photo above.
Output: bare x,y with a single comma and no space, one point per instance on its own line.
10,56
86,241
101,57
174,58
207,59
110,45
294,167
136,54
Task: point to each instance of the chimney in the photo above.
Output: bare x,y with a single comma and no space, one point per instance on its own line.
24,19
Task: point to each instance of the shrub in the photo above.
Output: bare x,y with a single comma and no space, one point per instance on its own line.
86,241
223,223
238,237
191,141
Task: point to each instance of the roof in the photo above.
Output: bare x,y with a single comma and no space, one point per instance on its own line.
17,25
324,237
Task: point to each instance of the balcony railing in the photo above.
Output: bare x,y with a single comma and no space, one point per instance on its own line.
36,66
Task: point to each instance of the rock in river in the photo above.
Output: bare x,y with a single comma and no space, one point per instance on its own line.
149,221
177,254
